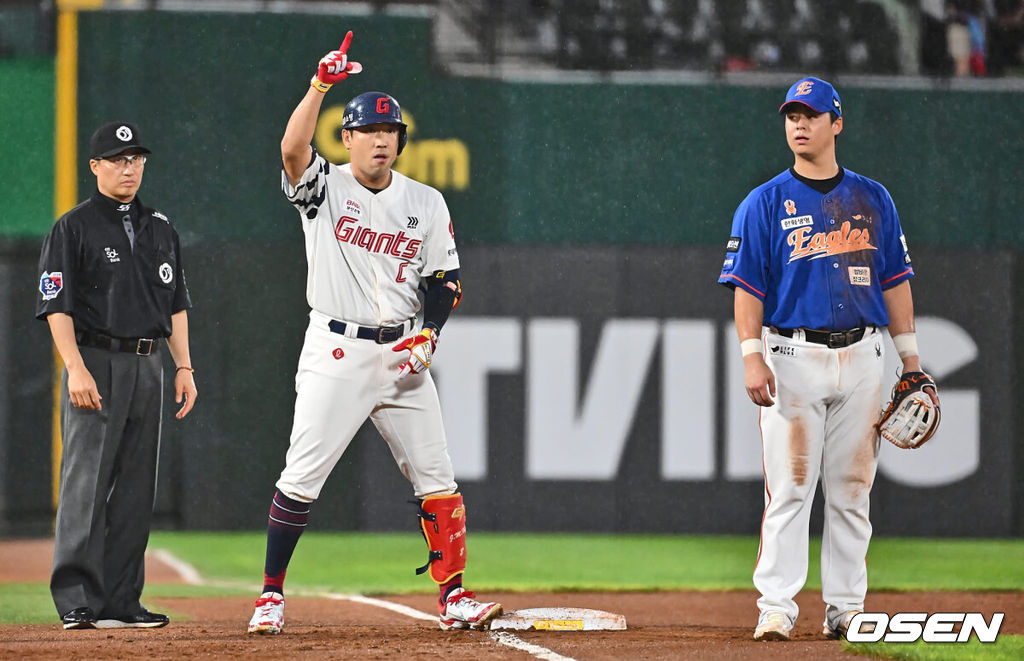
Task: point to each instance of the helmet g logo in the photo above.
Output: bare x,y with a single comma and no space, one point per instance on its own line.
375,108
804,88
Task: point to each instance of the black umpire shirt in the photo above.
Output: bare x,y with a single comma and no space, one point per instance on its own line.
90,269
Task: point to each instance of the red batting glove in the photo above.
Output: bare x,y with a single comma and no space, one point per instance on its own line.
335,67
421,352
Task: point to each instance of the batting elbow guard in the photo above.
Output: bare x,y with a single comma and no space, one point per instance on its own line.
443,520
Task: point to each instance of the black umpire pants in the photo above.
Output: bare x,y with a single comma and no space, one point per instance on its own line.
108,485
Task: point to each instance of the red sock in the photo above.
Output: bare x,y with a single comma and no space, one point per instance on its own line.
446,588
287,520
274,583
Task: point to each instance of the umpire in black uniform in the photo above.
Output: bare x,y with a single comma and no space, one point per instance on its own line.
112,290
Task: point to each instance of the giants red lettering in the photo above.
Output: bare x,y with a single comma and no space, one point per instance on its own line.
366,239
383,238
383,106
399,240
342,230
383,243
410,250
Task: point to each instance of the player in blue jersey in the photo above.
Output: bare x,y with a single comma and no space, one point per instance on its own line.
818,260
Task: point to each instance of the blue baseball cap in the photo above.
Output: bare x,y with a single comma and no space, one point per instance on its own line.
816,94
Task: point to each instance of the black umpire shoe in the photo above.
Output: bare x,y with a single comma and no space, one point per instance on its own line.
79,618
141,620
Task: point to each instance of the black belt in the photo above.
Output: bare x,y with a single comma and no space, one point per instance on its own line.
379,334
141,346
831,339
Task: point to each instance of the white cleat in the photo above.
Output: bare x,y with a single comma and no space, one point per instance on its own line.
838,627
773,625
461,611
269,615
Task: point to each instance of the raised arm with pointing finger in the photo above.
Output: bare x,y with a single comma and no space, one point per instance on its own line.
374,240
295,146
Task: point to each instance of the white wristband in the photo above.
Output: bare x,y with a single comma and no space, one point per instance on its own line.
750,346
906,344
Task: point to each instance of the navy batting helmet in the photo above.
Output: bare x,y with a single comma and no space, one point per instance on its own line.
375,108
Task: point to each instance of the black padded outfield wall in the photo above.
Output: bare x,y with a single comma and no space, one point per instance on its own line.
603,390
587,389
595,389
26,399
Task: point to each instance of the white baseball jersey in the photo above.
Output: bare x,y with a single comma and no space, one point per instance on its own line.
368,252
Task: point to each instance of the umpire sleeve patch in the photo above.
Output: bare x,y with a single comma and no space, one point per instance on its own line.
50,284
733,244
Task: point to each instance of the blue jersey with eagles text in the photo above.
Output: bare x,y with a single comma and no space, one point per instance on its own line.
818,260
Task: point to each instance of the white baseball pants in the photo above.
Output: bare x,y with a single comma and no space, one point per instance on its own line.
340,382
827,401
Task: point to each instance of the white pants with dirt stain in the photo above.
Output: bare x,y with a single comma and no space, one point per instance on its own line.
821,426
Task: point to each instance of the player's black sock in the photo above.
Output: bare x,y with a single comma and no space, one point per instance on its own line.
285,524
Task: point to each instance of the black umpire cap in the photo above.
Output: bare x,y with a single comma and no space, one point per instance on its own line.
115,137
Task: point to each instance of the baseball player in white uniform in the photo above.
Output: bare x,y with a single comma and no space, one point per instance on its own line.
818,256
374,238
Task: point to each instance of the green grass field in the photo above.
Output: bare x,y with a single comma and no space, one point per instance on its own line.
383,563
1006,648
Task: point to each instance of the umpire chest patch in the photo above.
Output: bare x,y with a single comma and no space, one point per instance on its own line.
860,275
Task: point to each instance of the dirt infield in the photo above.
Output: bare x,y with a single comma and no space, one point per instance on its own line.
662,625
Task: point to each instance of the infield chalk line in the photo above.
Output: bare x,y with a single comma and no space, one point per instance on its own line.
191,576
379,603
515,642
187,572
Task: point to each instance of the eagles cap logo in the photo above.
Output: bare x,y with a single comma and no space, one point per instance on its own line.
817,94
